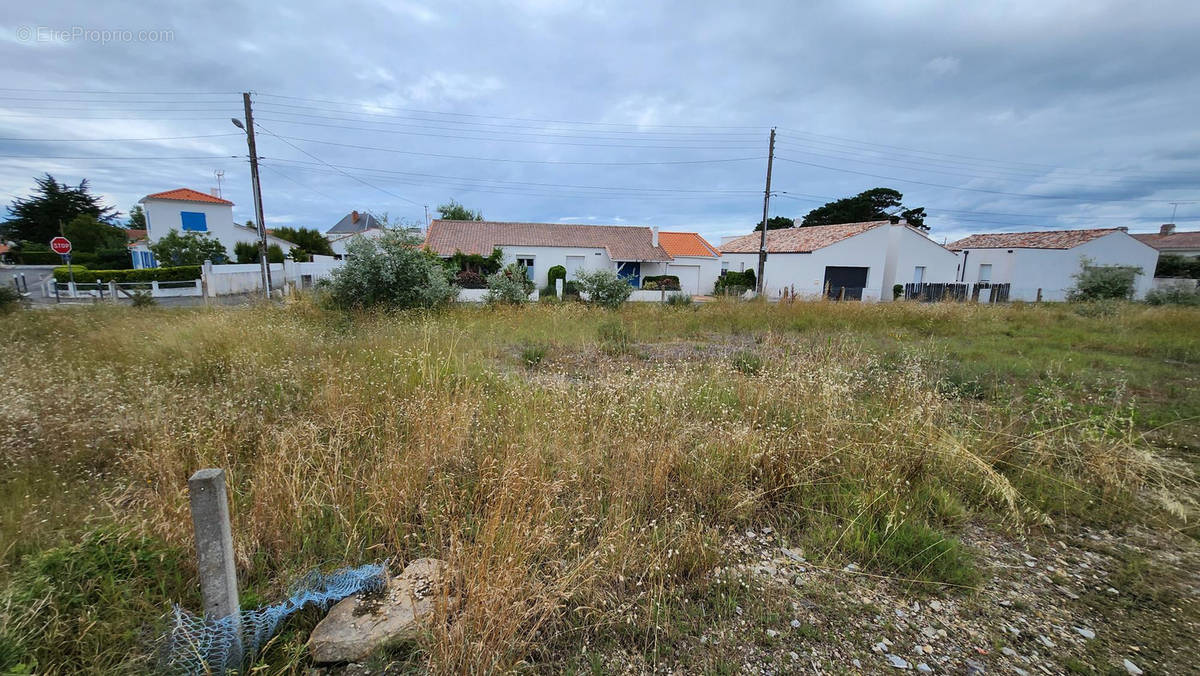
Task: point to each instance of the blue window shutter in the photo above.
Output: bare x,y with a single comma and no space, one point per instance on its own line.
194,221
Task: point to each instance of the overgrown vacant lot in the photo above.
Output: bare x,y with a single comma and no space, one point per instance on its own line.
722,488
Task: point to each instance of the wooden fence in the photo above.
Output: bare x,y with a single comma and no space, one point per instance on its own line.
983,292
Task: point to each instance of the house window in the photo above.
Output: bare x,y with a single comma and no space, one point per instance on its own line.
724,267
528,263
985,272
193,220
919,275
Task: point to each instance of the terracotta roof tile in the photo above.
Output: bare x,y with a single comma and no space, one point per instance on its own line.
686,244
187,195
799,240
624,243
1175,241
133,234
1045,239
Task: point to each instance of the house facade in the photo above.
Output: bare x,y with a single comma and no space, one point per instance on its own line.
1047,260
185,210
694,261
860,261
634,252
1170,242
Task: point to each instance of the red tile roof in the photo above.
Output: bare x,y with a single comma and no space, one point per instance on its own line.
1045,239
1178,241
187,195
799,240
686,244
133,234
623,243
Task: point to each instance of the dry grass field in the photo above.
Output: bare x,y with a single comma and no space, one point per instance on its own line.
612,489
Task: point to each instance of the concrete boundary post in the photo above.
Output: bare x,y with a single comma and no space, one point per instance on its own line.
214,544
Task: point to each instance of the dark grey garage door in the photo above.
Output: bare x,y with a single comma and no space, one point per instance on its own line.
845,282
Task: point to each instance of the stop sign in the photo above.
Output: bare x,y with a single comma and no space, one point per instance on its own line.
60,245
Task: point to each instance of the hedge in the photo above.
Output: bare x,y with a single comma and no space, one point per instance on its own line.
111,259
182,273
735,282
668,282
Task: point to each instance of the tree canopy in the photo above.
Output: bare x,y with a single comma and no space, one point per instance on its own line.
190,248
776,223
90,235
309,242
137,218
876,204
39,217
453,211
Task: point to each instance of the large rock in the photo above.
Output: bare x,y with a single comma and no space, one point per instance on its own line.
358,625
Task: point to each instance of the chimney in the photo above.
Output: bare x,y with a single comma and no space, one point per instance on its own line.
1167,229
654,236
354,216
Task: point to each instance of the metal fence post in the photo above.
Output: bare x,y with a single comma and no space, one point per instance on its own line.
214,544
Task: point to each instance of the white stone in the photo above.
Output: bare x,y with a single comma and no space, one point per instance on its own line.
1131,667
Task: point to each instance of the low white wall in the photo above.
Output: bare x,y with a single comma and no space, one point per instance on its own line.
1175,283
480,296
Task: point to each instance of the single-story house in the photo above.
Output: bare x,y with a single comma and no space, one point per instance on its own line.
1168,241
863,259
351,223
1047,260
634,252
187,210
694,261
339,242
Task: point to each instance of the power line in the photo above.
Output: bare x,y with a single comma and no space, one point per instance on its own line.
155,138
103,157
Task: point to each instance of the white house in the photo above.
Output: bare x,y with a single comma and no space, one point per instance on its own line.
1170,242
865,259
694,261
1047,260
339,242
634,252
187,210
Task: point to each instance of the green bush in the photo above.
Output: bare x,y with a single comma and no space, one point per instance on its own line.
1174,296
897,291
571,290
555,272
109,259
732,283
245,252
274,254
390,272
604,288
1174,265
679,300
1103,282
9,299
143,298
182,273
667,282
510,286
747,362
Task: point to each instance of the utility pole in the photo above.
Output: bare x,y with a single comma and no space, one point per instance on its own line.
426,217
762,243
258,208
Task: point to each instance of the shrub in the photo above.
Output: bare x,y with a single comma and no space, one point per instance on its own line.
897,291
190,248
732,283
182,273
390,272
245,252
555,272
274,254
604,288
9,299
1174,265
747,362
679,300
511,285
1174,296
571,290
1101,282
667,282
143,298
469,279
484,265
548,294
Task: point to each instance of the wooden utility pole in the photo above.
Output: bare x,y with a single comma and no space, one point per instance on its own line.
258,208
762,243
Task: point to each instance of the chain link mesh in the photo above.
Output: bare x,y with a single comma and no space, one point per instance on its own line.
196,645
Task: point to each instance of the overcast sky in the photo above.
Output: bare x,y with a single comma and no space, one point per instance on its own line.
992,115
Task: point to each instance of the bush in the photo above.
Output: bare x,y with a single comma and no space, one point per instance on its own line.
469,279
667,282
571,290
182,273
390,272
245,252
143,298
732,283
604,288
109,259
1102,282
1174,296
897,291
9,299
1174,265
554,273
190,248
679,300
510,285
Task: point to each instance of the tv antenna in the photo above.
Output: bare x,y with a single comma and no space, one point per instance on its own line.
220,174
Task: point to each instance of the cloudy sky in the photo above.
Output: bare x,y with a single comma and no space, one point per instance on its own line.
993,115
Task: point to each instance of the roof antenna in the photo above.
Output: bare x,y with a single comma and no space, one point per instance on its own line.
220,174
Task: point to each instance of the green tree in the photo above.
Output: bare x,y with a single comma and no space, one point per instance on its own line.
876,204
89,235
309,241
190,248
453,211
776,223
245,252
390,272
274,254
39,217
137,218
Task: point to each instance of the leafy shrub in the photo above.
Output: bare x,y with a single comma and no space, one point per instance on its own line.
469,279
1174,265
732,283
245,252
114,259
667,282
1174,296
679,300
747,362
1101,282
390,272
614,337
274,254
143,298
190,248
604,288
555,272
182,273
9,299
897,291
571,290
484,265
510,285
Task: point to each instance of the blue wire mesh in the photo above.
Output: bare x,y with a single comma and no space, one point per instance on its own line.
196,645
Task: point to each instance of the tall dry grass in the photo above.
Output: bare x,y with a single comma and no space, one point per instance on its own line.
573,497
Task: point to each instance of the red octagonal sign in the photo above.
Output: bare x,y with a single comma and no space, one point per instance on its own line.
60,245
